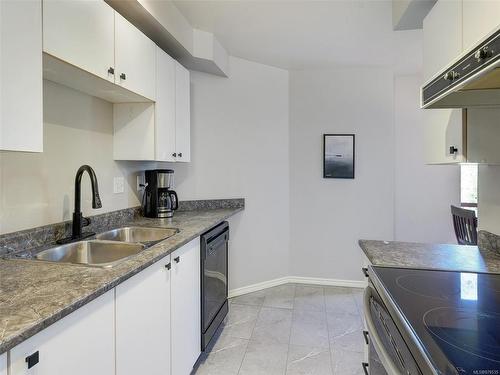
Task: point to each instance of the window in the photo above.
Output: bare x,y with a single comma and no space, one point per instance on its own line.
468,185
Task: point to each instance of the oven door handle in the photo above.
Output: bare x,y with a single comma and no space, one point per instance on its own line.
384,357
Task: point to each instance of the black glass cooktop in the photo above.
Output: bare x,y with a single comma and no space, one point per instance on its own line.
454,315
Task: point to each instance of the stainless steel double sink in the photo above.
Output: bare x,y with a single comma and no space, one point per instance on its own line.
108,248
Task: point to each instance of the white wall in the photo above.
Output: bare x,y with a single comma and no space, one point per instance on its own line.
38,188
423,193
328,216
239,148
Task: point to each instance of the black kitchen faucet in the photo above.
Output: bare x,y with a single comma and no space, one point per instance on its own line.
78,220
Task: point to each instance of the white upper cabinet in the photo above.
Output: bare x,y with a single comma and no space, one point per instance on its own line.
143,322
81,343
182,113
442,36
21,92
88,40
161,131
165,107
480,19
483,135
134,131
135,59
81,33
186,309
442,43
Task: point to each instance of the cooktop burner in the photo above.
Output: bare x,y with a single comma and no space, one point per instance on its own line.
454,315
469,331
436,286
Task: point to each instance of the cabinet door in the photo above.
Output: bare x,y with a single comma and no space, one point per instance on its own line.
182,113
480,18
442,42
21,119
165,107
483,135
143,322
186,313
135,59
82,343
442,36
444,128
81,33
3,364
133,131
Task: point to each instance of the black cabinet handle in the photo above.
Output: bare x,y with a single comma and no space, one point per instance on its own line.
111,70
365,367
365,271
33,359
365,334
180,154
123,76
453,150
168,266
177,259
174,155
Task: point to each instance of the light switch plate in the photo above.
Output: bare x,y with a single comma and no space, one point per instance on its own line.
118,185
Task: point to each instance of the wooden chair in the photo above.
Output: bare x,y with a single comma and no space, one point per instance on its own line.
465,224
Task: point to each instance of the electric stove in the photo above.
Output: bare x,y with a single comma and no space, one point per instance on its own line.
451,319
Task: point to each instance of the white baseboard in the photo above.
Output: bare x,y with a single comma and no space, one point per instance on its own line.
256,287
296,280
328,282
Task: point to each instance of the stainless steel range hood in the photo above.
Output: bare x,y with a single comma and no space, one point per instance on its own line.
473,80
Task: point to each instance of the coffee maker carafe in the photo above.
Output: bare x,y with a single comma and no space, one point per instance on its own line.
159,199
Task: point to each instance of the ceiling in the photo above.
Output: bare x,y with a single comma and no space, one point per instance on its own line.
308,34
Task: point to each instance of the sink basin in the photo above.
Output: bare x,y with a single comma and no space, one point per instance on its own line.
137,234
91,253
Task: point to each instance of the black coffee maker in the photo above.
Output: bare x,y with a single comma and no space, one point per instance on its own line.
159,199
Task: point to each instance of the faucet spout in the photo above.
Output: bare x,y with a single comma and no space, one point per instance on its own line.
78,220
96,200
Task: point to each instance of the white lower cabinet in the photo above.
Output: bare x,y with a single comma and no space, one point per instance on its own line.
149,324
143,322
3,364
82,343
186,310
158,316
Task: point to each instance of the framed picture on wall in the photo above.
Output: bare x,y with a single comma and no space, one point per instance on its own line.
338,155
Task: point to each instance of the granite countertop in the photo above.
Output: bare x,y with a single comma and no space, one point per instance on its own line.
34,295
431,256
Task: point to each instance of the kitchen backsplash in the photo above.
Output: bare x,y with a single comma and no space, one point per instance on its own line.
19,244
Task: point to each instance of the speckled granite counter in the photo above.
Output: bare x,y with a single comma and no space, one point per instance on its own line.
34,295
430,256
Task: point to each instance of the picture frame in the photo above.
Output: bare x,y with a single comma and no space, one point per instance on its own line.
338,156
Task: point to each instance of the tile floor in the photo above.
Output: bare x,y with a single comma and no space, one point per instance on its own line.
289,329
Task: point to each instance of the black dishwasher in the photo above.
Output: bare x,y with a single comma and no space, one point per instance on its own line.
214,304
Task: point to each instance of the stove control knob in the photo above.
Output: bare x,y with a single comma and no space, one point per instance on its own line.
451,75
482,53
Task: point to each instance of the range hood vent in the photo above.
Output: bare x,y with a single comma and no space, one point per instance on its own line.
471,81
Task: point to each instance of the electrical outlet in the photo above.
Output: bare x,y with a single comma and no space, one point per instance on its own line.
118,185
141,180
